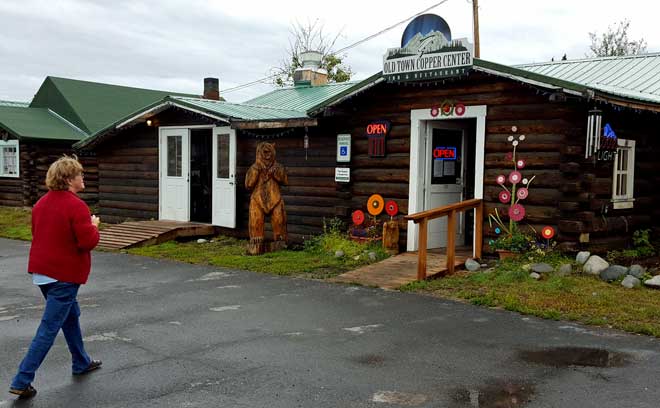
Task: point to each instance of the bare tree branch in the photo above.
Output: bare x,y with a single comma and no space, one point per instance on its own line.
310,36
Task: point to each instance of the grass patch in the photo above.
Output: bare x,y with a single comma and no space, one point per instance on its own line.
581,298
317,259
15,223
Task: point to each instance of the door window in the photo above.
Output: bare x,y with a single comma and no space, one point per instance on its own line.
174,156
223,156
446,156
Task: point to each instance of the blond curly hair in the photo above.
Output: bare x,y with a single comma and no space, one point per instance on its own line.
61,171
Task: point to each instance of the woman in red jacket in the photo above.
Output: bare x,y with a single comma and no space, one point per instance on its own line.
63,234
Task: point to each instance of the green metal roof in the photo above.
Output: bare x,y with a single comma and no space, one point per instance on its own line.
14,104
634,76
240,111
37,123
302,98
92,106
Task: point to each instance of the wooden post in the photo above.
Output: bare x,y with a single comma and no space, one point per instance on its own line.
475,17
421,251
479,231
451,241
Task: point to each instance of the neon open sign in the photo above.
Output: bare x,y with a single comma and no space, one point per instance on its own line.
376,133
378,128
444,153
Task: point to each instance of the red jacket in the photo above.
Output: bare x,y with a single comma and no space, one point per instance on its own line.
62,237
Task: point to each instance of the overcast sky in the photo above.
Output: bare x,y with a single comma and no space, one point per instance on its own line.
173,44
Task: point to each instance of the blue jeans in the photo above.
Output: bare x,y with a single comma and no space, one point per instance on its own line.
61,312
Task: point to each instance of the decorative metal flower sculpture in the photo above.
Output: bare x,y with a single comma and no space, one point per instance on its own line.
515,193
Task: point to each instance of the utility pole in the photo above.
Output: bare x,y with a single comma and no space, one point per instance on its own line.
475,24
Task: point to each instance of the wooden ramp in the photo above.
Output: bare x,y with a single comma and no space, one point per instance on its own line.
141,233
401,269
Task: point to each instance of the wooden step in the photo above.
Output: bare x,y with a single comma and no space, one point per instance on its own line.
137,233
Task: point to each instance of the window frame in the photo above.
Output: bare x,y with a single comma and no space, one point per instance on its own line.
624,201
9,143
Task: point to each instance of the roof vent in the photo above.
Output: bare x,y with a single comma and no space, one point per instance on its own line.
311,71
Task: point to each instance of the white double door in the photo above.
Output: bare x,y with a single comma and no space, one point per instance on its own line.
174,182
444,177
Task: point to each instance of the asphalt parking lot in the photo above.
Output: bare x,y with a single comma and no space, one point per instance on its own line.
178,335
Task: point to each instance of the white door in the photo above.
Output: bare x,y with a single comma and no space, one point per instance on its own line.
444,181
224,177
174,185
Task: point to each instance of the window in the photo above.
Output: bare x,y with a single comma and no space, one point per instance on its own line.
223,156
9,158
174,156
623,180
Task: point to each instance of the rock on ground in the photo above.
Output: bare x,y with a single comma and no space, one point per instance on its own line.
614,272
535,275
653,282
595,265
582,257
472,265
637,271
631,282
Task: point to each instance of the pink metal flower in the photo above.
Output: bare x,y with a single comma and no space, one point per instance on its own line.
515,177
517,212
501,179
520,163
522,193
505,197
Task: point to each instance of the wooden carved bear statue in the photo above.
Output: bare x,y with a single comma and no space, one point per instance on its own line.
264,178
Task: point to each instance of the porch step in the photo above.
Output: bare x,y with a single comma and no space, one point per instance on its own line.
401,269
142,233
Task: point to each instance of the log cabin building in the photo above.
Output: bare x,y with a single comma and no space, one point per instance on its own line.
62,112
185,158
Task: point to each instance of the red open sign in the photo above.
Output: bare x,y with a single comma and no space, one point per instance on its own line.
444,153
378,128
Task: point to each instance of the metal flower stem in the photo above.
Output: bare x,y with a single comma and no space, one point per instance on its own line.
528,184
513,192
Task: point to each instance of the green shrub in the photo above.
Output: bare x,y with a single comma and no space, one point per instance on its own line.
642,248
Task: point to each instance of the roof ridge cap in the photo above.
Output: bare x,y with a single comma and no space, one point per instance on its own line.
114,85
251,105
615,57
66,101
63,119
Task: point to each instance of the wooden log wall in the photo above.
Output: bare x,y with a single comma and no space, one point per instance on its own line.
586,207
566,194
547,126
35,158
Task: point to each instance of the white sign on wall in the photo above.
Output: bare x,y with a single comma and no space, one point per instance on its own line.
343,148
342,174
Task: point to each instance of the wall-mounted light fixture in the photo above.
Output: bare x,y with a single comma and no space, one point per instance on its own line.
306,142
149,122
593,132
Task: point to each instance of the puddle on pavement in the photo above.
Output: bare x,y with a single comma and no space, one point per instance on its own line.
369,359
575,356
498,394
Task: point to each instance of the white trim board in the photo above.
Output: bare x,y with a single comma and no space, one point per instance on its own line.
418,117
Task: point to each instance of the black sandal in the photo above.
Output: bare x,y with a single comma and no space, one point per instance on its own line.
27,392
91,367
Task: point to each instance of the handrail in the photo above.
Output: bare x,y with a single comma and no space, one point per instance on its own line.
422,218
440,211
